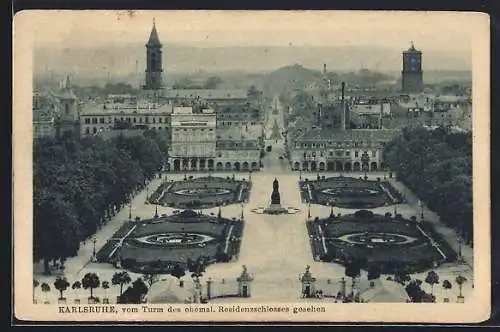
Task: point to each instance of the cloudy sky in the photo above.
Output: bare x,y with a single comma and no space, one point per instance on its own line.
429,31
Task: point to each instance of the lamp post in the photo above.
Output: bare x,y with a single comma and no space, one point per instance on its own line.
94,240
300,174
459,256
421,209
156,210
365,162
242,210
130,210
147,193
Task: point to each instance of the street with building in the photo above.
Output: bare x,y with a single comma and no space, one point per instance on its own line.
105,166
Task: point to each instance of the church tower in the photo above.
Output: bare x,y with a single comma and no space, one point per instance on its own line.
154,69
412,74
68,110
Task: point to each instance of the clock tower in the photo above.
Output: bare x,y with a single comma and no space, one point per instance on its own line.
412,74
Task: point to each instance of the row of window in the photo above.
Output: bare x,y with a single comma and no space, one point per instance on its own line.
244,123
339,153
192,129
95,120
95,130
335,144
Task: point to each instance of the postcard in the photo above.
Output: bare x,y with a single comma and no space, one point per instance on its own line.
251,166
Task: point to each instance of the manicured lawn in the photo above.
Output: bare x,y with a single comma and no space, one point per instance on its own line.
348,192
391,243
203,192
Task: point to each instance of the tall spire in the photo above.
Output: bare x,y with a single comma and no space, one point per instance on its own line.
67,84
153,36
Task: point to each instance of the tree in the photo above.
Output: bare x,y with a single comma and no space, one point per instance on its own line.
460,280
121,278
35,285
150,278
352,270
61,284
134,293
178,271
91,281
373,272
105,286
77,285
45,289
446,286
212,82
432,278
414,291
402,276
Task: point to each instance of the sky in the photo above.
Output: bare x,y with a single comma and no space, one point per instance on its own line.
429,31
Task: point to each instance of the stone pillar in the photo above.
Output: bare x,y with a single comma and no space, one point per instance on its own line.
209,288
244,282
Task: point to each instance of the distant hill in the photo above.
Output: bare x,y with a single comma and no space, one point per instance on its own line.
126,60
289,78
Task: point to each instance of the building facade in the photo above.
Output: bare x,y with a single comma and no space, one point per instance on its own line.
412,74
339,150
96,119
238,148
193,141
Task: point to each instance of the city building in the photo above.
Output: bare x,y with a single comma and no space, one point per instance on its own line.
56,112
412,74
326,149
238,114
193,140
205,97
120,112
238,147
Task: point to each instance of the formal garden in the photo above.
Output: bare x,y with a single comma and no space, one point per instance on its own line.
160,244
201,193
349,192
390,242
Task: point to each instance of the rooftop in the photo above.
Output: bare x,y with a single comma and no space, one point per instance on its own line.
141,108
154,40
208,94
250,132
349,135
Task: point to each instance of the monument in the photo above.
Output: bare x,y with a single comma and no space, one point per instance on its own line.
275,206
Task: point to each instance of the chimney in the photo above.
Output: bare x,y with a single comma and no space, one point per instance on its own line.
343,108
381,114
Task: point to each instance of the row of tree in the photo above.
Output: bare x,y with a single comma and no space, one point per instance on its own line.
134,293
413,287
80,183
437,166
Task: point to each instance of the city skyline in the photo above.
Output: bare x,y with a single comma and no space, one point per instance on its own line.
199,39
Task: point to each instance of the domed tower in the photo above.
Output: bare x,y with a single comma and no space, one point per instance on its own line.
68,110
154,69
412,74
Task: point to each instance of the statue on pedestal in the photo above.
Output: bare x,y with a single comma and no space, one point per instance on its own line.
275,196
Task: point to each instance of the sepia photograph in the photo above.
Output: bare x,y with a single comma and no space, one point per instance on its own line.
251,166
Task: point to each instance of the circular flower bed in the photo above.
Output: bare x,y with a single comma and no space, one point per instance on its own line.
350,193
201,193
